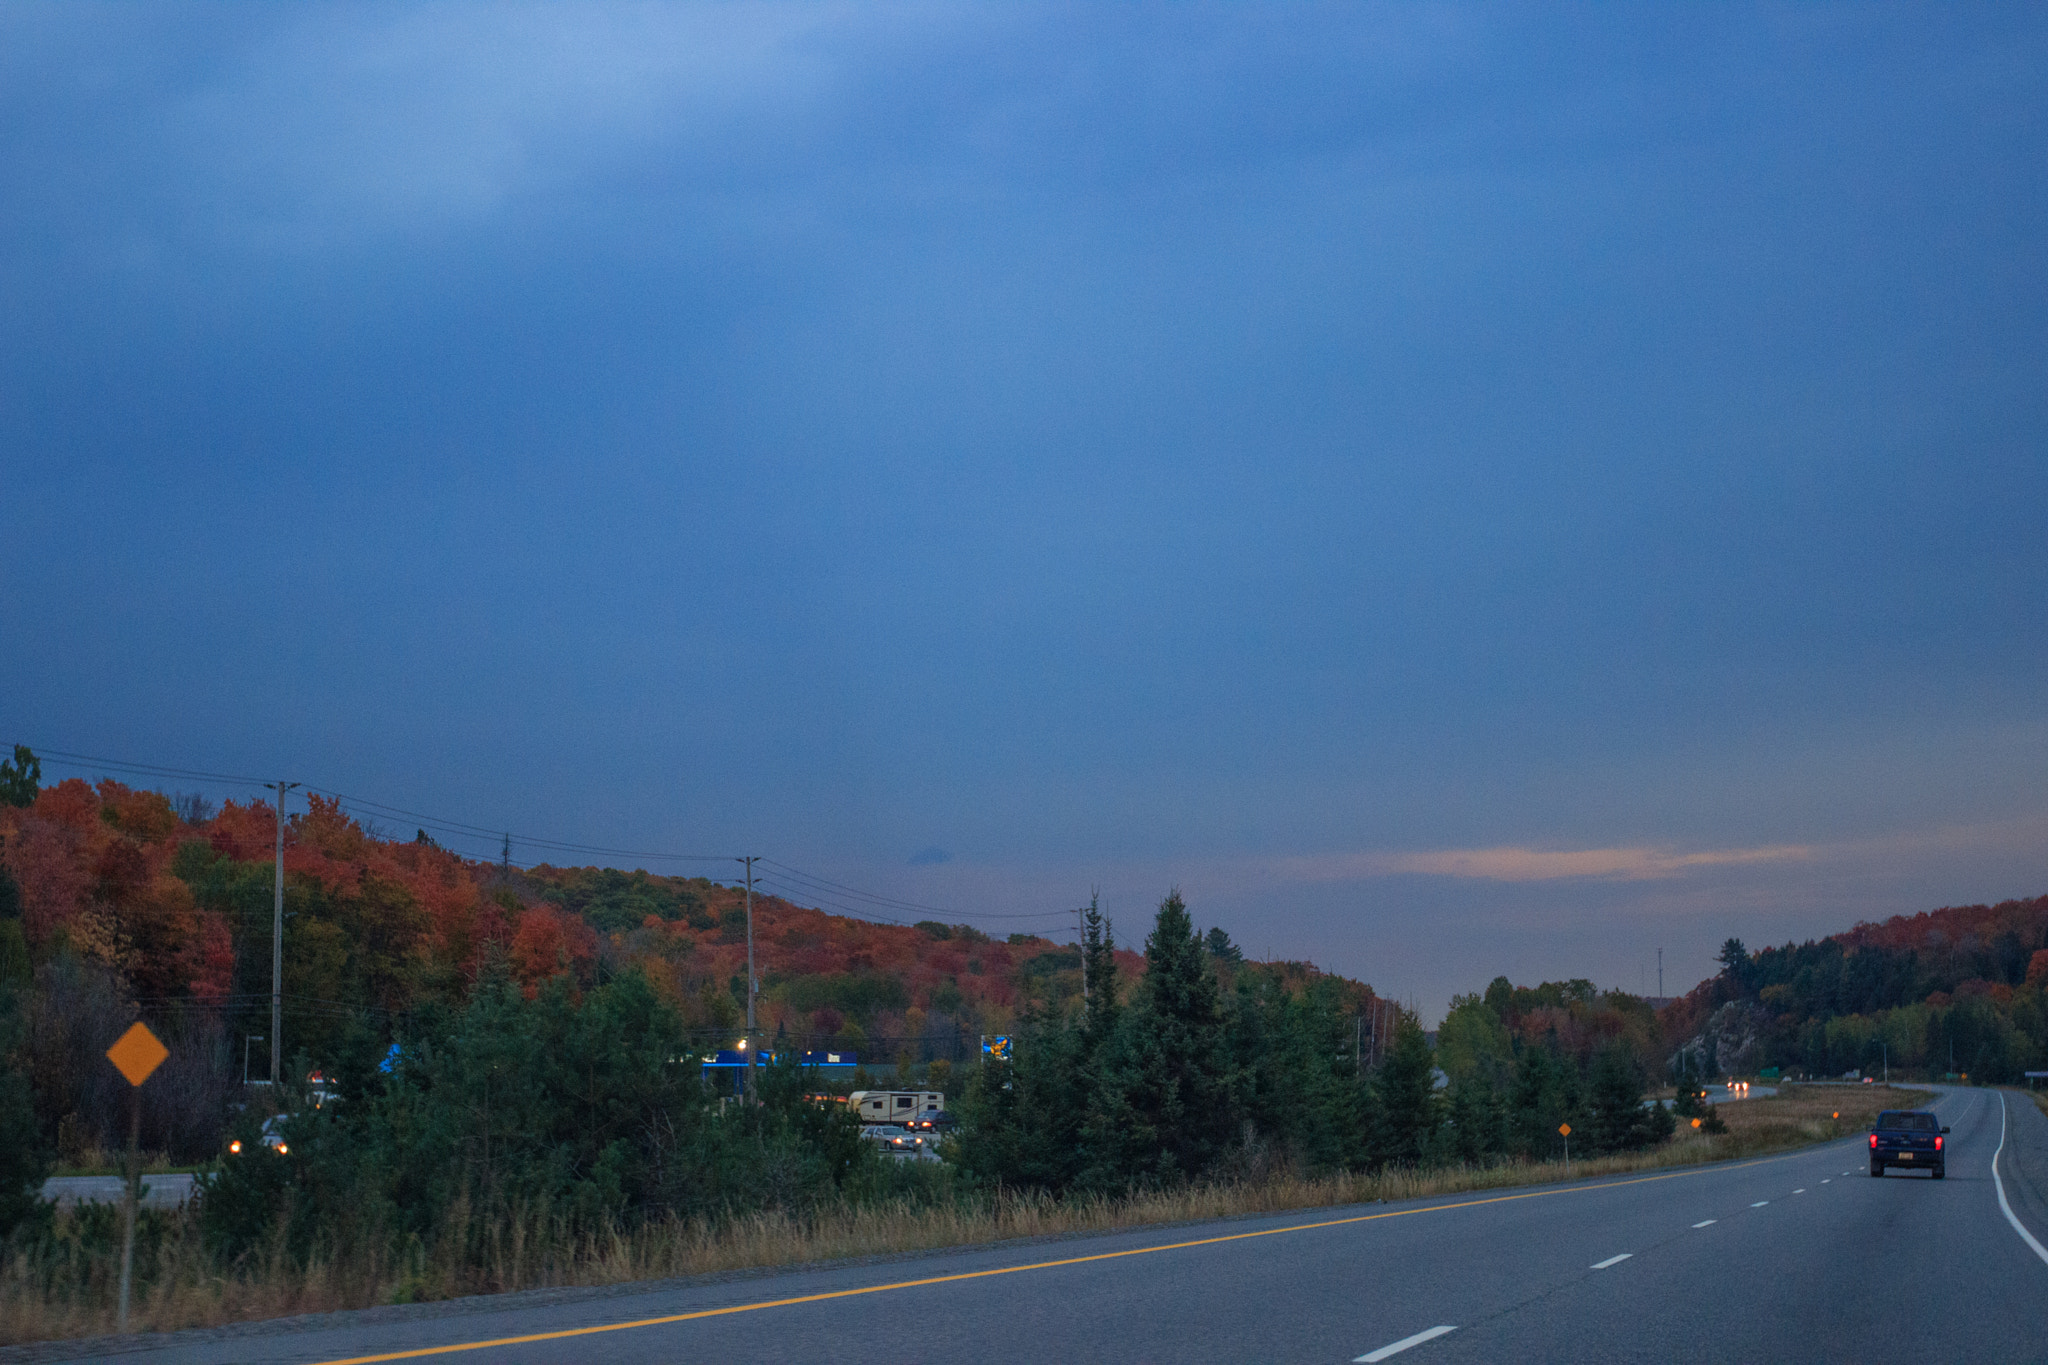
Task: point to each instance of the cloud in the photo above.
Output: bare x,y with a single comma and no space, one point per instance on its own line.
1514,864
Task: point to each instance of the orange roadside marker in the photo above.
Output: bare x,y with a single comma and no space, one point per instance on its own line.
137,1053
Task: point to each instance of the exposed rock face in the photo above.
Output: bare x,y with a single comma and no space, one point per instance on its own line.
1731,1041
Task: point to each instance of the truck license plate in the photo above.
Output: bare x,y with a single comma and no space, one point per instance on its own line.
1905,1156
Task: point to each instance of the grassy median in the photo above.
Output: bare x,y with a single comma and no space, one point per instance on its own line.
70,1292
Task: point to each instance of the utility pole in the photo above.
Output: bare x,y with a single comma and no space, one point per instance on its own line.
277,953
753,1043
1660,973
505,861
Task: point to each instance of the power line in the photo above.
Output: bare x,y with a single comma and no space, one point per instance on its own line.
88,761
795,881
92,762
530,841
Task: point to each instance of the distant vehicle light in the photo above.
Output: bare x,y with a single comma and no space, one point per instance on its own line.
235,1147
282,1150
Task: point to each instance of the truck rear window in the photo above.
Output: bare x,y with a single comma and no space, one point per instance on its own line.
1911,1123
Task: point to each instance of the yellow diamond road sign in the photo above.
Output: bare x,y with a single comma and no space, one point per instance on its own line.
1564,1128
137,1054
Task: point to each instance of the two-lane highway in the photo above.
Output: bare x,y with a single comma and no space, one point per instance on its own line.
1799,1257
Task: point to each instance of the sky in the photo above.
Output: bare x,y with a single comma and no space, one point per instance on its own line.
1457,490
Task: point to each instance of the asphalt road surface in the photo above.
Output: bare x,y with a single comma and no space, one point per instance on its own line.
158,1191
1795,1258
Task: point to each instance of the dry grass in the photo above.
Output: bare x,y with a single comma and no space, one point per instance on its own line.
1814,1113
186,1288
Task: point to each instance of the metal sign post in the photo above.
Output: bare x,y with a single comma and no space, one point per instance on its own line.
135,1054
1566,1129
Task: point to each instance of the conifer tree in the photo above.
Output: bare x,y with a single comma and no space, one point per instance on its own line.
1162,1110
1545,1093
1408,1106
23,1160
1619,1123
1021,1120
1098,958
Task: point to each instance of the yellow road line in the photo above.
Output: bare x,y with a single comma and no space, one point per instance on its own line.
1020,1269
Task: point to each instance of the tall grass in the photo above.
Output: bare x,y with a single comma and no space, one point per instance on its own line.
63,1284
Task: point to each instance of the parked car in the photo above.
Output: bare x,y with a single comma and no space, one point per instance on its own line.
1911,1138
934,1122
894,1138
272,1136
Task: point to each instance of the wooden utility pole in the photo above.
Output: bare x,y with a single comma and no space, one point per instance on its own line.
277,953
753,1042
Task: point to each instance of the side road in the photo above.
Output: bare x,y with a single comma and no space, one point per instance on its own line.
158,1191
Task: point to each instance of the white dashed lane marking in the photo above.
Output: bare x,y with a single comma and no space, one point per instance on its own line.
1612,1261
1760,1203
1394,1348
1709,1223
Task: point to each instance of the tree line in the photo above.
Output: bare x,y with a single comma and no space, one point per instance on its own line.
1960,991
1188,1080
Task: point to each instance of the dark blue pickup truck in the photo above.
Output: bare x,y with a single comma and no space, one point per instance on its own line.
1910,1138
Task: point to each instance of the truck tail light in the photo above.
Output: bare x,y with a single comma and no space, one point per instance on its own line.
1937,1144
1873,1142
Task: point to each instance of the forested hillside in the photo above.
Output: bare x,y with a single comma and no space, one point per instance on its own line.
114,901
517,1048
1962,990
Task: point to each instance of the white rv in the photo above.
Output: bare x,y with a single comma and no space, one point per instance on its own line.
893,1106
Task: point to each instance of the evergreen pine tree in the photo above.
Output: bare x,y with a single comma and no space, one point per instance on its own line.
1544,1094
1616,1097
23,1159
1021,1122
1162,1109
15,968
1408,1105
1476,1120
1098,957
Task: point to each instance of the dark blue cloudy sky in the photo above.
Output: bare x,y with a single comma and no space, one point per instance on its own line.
1458,490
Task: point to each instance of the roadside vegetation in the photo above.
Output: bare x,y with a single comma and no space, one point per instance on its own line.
64,1286
509,1064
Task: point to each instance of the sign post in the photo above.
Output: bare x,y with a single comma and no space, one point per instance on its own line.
1566,1129
135,1055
